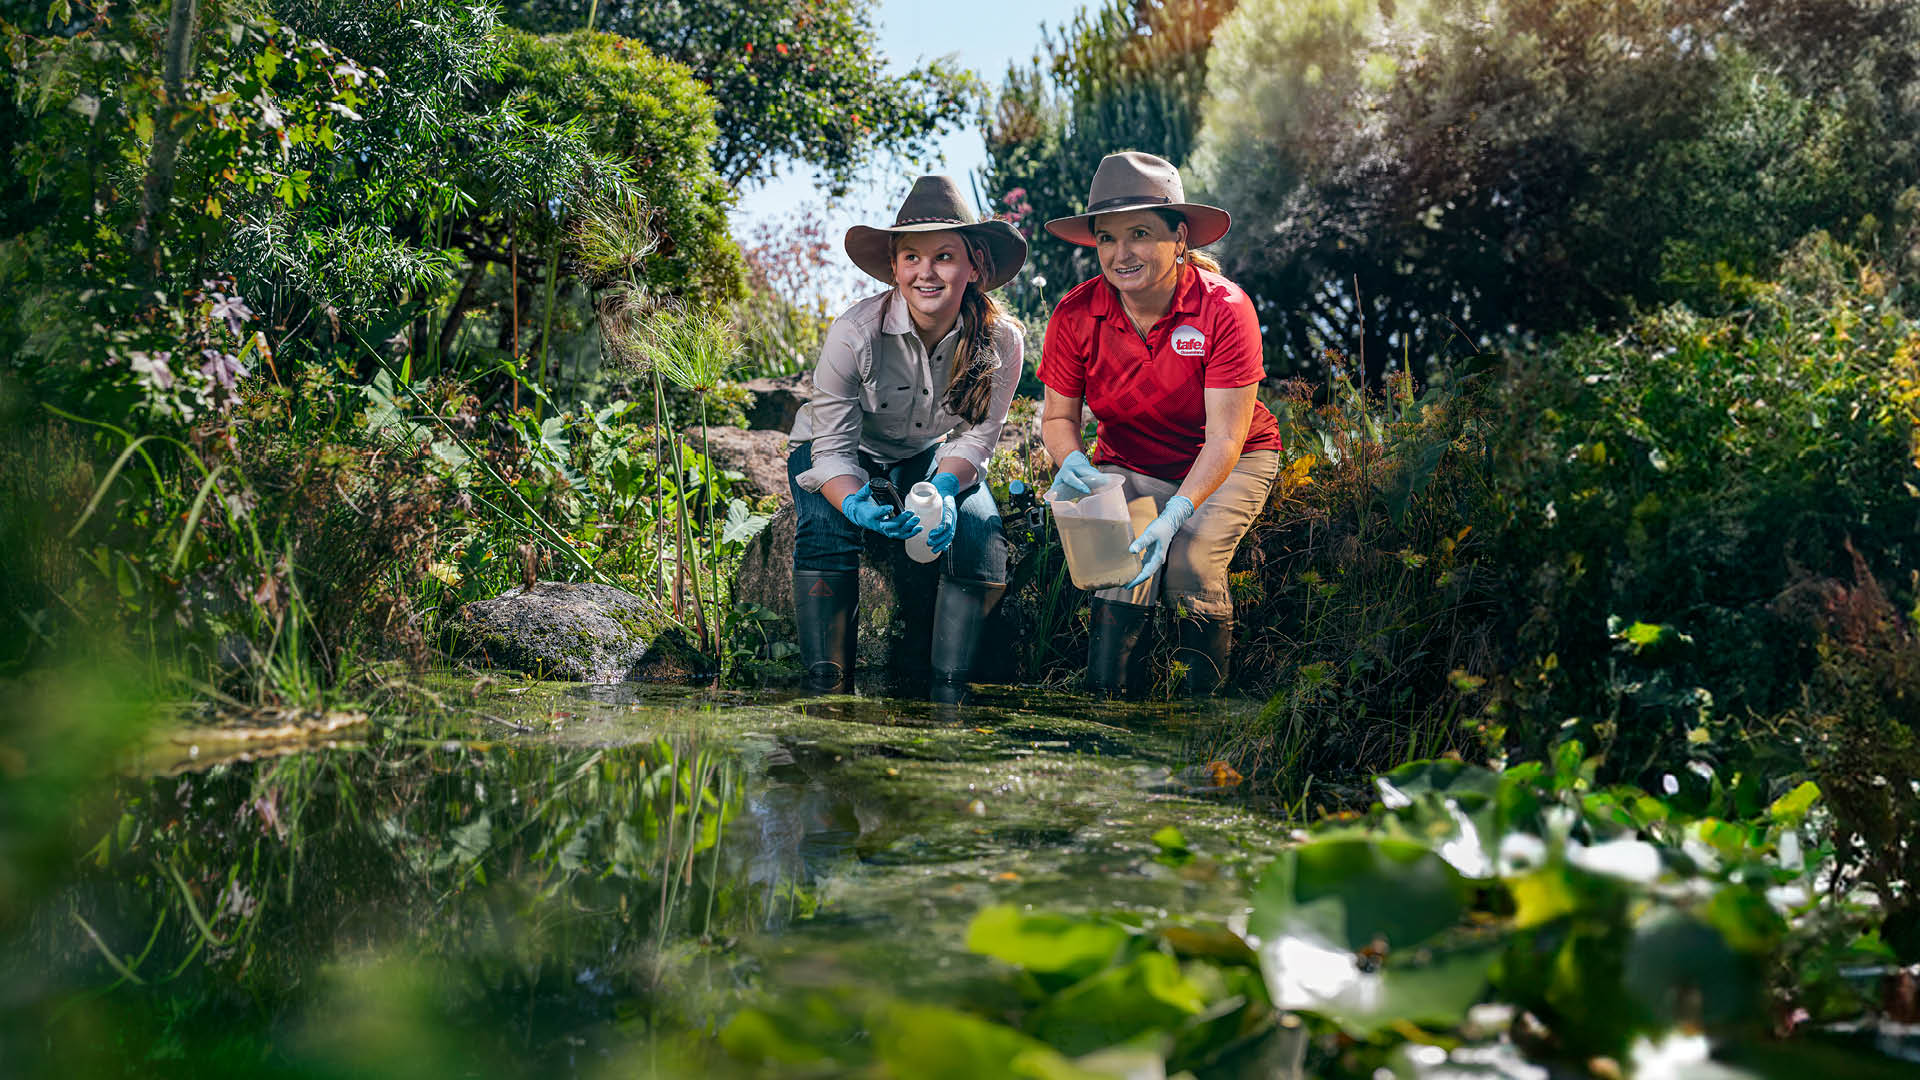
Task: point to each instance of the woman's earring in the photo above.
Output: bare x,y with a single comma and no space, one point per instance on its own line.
1179,258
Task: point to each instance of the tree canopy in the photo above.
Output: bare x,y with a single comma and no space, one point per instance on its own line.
1129,75
798,80
1413,178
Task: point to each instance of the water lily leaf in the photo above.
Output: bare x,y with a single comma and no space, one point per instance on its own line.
807,1030
1307,975
1543,896
1681,970
1210,942
1342,923
1354,890
1045,943
755,1037
1745,919
939,1043
1147,994
1470,785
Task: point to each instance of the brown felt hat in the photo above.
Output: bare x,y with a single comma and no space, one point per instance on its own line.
935,205
1131,181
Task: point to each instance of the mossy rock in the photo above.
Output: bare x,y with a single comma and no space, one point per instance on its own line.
561,630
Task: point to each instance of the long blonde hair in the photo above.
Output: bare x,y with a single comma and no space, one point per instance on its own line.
976,360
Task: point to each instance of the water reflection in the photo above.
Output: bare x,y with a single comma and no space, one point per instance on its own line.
611,878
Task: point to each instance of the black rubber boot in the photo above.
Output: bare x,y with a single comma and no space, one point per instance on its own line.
1204,645
823,609
1115,664
959,611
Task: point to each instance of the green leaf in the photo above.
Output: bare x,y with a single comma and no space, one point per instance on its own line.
1145,995
1045,943
742,523
1354,890
1640,638
945,1044
1792,807
470,841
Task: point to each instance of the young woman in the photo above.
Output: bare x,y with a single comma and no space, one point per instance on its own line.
913,384
1167,354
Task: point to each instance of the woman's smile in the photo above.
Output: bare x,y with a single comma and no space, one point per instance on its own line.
932,270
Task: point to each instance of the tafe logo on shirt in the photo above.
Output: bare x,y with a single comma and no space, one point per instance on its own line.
1189,341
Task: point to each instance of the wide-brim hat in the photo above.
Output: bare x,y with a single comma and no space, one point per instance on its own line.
935,205
1130,181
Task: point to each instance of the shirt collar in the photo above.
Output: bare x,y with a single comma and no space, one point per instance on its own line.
897,320
1186,296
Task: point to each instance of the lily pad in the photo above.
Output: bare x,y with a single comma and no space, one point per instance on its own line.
1045,943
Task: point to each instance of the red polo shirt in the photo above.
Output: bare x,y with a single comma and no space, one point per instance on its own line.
1149,395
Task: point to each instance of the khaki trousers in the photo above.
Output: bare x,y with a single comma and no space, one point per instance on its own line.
1194,577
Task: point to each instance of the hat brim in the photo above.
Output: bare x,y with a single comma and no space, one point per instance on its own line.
1205,224
871,248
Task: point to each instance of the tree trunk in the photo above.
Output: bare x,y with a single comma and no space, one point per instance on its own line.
157,192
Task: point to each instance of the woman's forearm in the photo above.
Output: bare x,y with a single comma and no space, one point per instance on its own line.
1060,424
840,487
962,470
1211,469
1229,418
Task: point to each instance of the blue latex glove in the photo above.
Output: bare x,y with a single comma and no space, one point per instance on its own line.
941,535
1076,474
867,512
1158,537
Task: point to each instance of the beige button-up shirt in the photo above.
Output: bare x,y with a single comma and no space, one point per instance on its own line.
877,389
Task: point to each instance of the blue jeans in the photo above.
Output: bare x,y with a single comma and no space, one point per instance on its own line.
825,541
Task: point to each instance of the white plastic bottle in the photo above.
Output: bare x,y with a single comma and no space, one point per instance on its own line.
923,501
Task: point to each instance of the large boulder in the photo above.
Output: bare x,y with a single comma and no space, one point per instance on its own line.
559,630
760,457
776,400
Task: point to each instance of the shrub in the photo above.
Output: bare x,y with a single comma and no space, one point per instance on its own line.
1363,594
650,113
1670,495
1400,172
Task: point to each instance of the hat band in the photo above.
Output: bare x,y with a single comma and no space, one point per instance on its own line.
1126,200
928,221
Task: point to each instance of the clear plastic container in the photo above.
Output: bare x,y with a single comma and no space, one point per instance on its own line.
1096,529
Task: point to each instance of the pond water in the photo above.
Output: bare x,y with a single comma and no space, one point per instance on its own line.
568,880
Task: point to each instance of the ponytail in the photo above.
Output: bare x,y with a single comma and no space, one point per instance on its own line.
1198,259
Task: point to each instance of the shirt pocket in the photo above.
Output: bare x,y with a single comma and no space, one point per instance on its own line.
889,410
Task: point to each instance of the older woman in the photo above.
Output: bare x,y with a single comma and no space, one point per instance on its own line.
913,384
1167,354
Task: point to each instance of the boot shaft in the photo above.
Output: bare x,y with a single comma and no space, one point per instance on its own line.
824,604
1116,664
960,610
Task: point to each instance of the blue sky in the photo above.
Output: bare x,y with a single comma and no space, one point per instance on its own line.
984,35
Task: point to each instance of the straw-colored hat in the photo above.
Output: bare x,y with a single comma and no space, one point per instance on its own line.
1131,181
935,205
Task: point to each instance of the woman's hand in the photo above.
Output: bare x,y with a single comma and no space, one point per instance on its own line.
941,535
864,510
1076,474
1158,537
